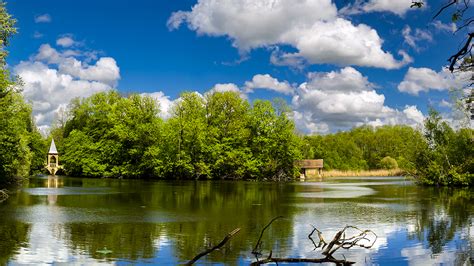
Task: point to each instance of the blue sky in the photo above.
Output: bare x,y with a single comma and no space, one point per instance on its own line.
338,64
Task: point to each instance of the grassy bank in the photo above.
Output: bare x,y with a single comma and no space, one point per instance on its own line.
379,172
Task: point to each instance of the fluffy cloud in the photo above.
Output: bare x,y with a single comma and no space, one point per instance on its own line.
45,18
339,100
310,26
268,82
417,80
413,38
52,78
223,87
65,41
104,70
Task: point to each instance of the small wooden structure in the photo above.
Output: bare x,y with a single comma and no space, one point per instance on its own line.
53,159
310,167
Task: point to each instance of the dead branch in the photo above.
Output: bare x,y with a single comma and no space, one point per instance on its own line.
204,253
321,239
361,238
347,243
254,250
461,53
3,195
444,7
302,260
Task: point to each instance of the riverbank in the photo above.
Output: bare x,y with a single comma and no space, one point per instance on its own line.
378,172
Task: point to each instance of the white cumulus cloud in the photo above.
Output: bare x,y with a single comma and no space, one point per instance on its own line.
340,100
268,82
423,79
52,78
310,26
65,41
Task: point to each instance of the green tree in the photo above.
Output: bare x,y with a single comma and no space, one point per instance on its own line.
113,136
20,142
186,138
447,158
272,140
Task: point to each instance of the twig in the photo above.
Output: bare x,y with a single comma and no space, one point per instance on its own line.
204,253
321,239
444,7
254,251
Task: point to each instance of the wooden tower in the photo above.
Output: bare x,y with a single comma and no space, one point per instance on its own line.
53,159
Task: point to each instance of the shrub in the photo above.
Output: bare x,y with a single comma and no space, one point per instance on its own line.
388,163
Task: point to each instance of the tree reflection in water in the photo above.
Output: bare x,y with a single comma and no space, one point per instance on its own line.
171,222
444,212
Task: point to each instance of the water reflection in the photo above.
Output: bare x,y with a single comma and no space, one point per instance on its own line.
72,220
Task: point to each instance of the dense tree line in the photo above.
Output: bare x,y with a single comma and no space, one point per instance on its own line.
365,148
434,155
21,145
218,135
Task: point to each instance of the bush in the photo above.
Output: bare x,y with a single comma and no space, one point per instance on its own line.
388,163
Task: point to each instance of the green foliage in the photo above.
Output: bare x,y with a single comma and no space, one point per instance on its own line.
388,163
7,29
448,156
216,136
109,135
21,146
364,148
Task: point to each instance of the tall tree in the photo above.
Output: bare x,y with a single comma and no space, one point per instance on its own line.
19,138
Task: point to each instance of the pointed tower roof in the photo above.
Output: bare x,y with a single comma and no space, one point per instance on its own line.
52,148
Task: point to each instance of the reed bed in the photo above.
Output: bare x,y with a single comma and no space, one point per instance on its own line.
378,172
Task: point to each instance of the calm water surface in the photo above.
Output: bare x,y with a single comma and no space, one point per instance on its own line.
68,220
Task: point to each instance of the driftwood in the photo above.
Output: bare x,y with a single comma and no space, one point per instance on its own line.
357,238
3,195
361,238
222,243
302,260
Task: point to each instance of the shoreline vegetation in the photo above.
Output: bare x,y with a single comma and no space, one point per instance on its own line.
363,173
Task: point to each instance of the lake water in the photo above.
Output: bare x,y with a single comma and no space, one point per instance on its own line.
101,221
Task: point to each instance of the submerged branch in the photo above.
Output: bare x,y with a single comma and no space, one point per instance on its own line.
254,251
222,243
3,195
303,260
359,238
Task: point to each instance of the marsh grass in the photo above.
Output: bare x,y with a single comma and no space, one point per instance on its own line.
378,172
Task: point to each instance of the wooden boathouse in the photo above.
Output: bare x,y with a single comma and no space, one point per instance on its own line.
311,168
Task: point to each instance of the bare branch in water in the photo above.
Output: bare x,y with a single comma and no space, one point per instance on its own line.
3,195
255,251
222,243
361,238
